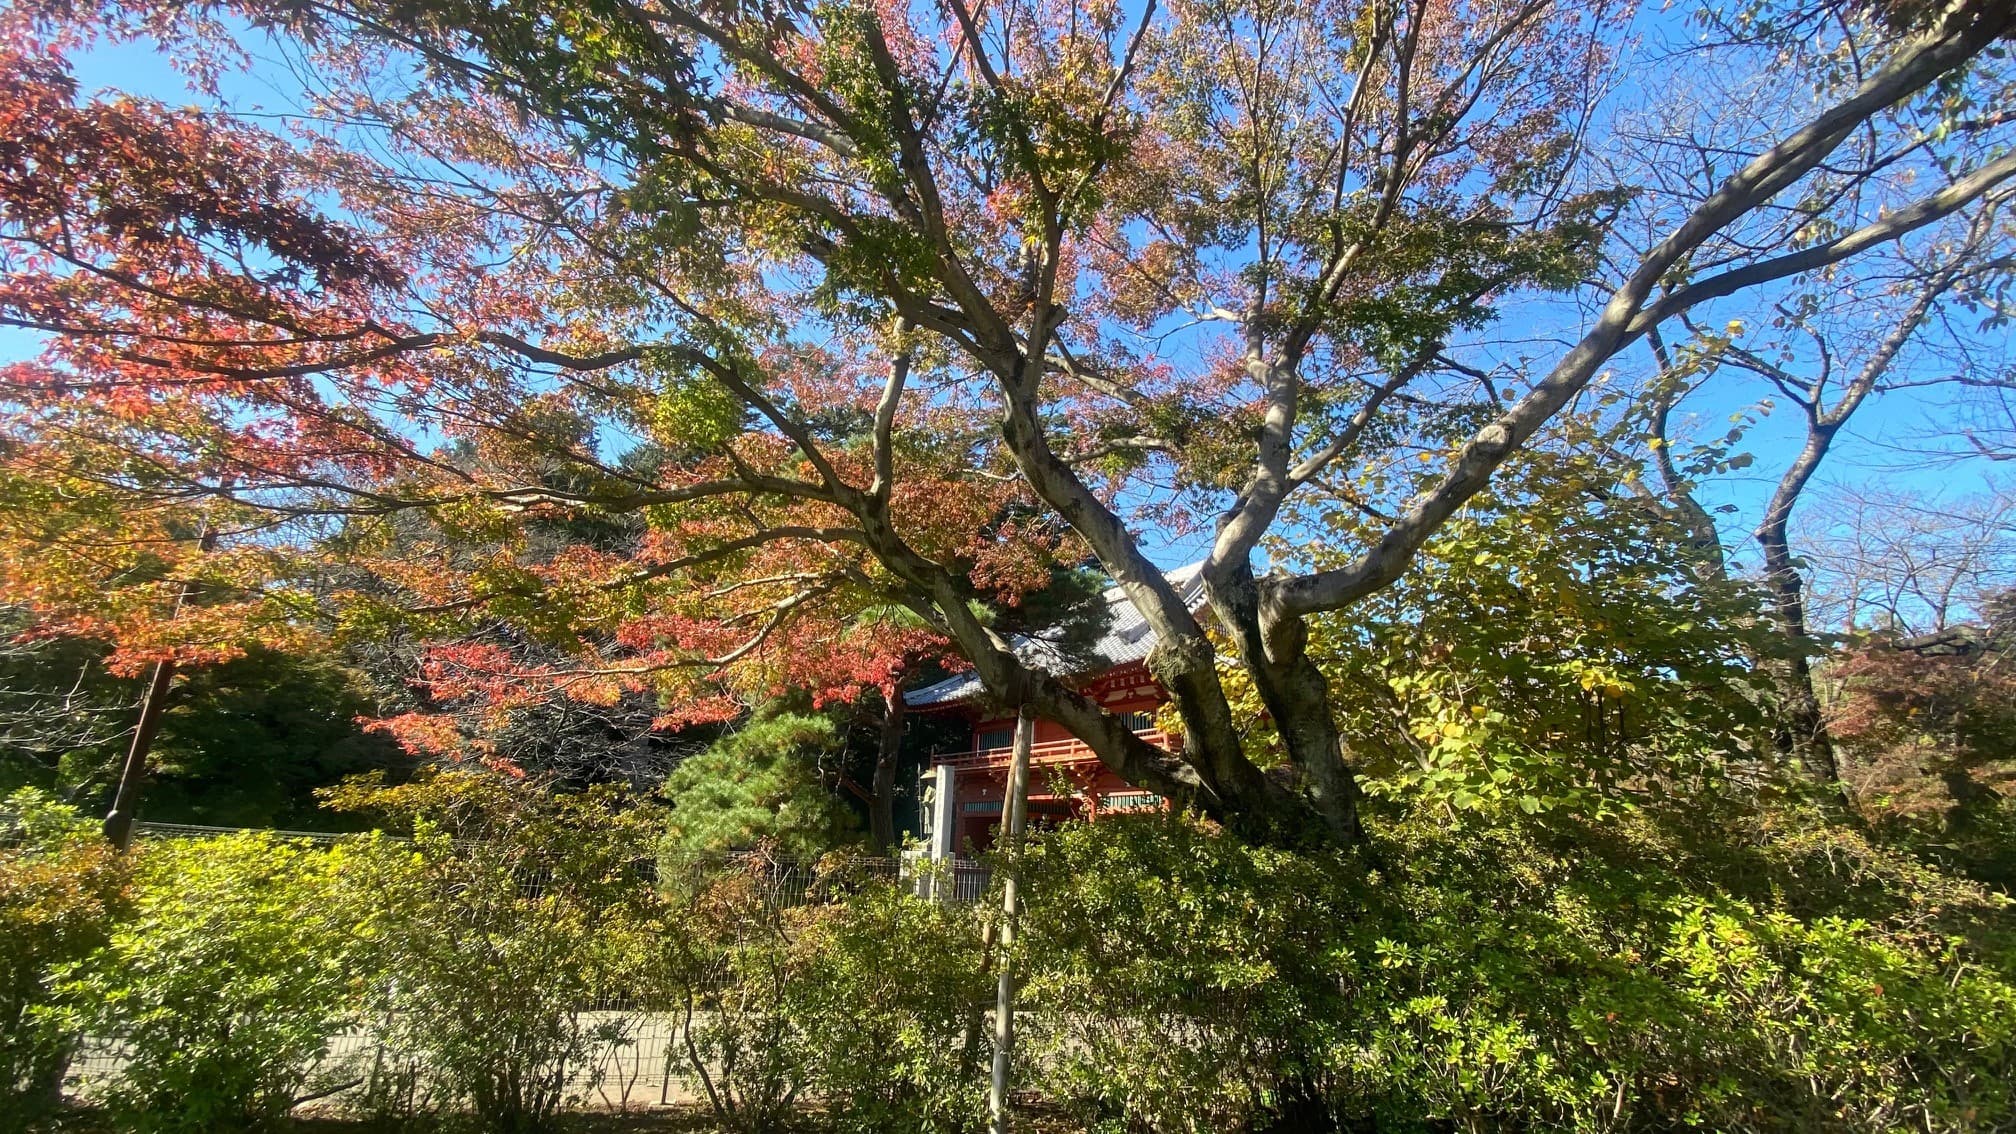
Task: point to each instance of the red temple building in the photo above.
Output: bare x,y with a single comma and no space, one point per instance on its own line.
1066,781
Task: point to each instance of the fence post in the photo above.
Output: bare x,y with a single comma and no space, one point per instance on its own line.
1015,813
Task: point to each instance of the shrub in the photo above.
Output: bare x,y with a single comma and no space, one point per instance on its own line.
225,987
857,999
732,970
889,985
1677,970
1170,972
498,931
1839,1024
1698,963
61,887
1520,979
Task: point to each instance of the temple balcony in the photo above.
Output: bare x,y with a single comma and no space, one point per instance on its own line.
1052,753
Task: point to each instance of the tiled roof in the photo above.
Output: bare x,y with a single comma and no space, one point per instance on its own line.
1128,638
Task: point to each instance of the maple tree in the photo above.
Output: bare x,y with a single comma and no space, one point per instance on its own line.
1928,721
687,344
1945,694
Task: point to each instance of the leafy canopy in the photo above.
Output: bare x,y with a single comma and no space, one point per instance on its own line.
663,350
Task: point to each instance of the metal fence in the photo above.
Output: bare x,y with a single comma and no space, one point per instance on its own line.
635,1058
195,831
787,881
635,1053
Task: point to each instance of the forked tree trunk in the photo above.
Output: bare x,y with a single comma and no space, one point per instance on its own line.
1802,727
1801,731
1274,647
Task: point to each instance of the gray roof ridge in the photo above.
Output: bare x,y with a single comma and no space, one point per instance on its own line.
1128,638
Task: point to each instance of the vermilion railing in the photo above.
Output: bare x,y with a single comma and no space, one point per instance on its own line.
1050,753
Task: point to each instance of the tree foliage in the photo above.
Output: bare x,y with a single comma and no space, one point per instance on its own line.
686,343
242,743
1557,645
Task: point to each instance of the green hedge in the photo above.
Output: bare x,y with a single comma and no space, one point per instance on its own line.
1719,968
1514,979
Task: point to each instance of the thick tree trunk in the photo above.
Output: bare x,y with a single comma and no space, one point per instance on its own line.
1218,781
1211,774
1299,697
889,750
1273,645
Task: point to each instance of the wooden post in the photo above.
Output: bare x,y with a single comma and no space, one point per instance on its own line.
119,821
126,798
1014,816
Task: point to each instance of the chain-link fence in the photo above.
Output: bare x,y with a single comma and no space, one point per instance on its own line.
634,1059
632,1052
787,881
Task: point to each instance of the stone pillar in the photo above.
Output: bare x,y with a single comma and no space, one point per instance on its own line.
943,796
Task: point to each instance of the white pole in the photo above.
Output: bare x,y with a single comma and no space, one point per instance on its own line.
1015,814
